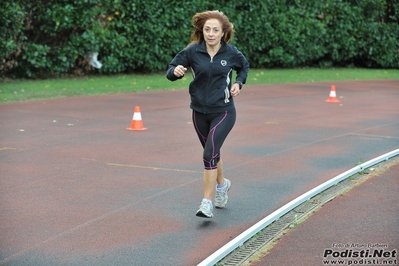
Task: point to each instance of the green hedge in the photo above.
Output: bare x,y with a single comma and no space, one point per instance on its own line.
46,38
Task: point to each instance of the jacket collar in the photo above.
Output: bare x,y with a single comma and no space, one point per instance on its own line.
202,47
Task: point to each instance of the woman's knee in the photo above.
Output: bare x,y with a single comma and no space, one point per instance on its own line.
210,160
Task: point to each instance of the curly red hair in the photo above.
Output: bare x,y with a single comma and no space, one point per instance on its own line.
199,20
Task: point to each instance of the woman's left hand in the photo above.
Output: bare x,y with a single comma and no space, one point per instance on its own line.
235,90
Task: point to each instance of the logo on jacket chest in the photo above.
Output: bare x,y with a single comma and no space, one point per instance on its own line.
223,62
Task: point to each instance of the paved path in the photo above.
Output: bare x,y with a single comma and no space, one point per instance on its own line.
366,219
77,188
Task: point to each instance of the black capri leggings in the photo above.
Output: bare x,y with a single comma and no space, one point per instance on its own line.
212,130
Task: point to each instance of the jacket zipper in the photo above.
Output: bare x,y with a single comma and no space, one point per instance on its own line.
207,86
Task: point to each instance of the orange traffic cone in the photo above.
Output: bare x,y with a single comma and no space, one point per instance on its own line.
137,122
333,96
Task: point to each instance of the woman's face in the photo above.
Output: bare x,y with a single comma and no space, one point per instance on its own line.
213,32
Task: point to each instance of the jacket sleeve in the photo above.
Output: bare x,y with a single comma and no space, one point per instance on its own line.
180,59
241,67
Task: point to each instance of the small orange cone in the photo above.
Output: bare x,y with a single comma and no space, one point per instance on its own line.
333,96
137,122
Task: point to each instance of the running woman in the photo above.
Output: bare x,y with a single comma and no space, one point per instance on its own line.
212,61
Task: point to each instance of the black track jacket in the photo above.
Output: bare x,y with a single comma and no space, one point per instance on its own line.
212,77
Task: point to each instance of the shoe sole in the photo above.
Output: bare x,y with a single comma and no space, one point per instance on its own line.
203,215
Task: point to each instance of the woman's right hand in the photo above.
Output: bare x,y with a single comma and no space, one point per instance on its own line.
179,71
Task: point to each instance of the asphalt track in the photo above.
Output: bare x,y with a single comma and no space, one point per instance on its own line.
77,188
365,219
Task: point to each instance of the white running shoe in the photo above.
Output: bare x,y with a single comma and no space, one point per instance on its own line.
205,209
221,197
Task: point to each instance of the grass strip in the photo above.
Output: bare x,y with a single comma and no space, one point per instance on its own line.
29,90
